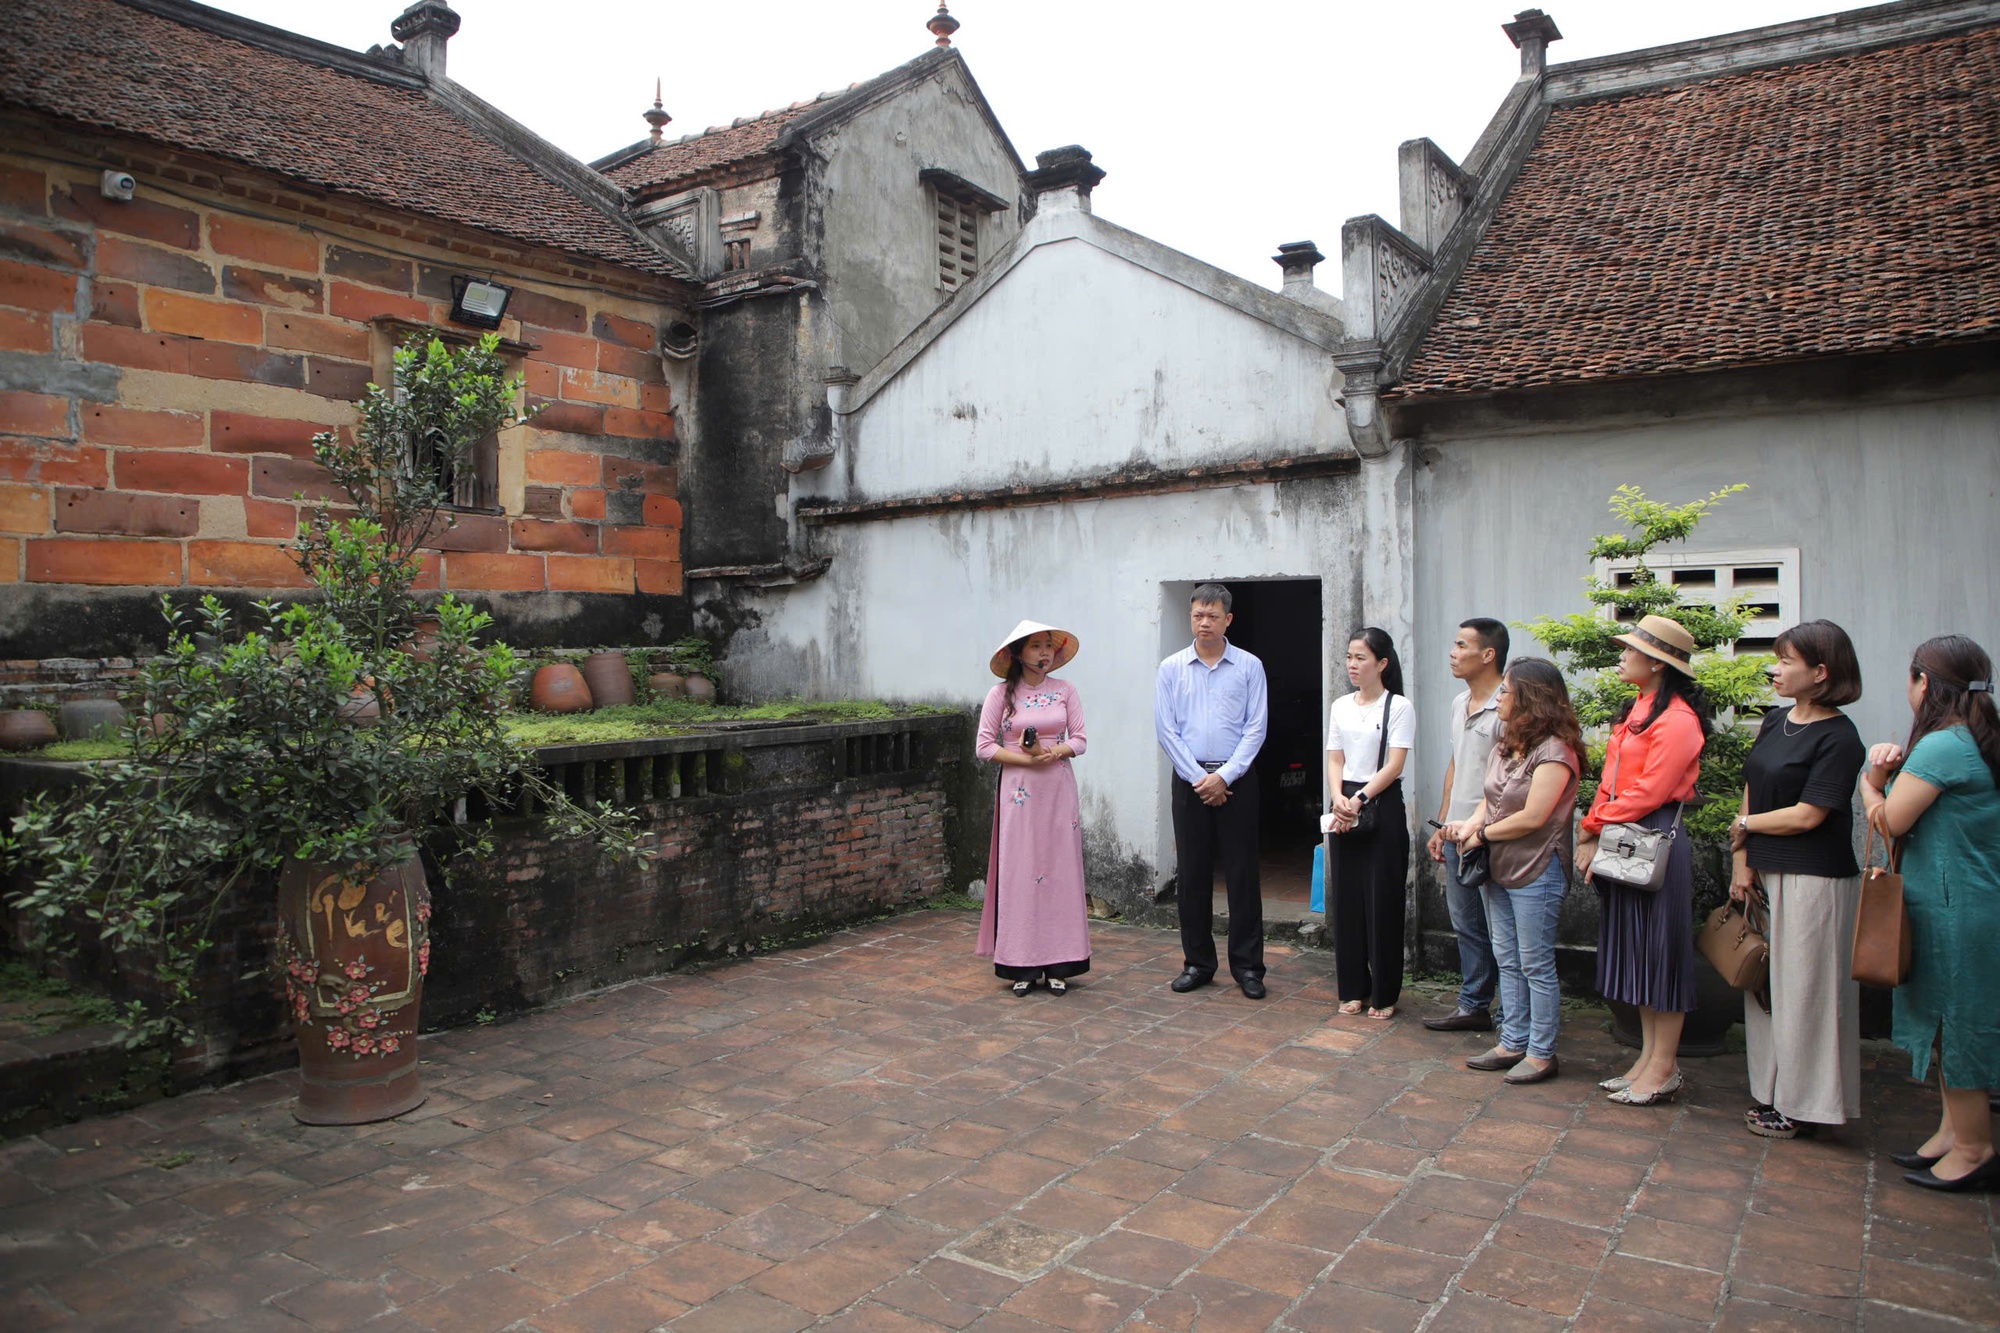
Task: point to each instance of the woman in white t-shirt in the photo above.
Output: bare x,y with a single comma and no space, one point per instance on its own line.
1370,855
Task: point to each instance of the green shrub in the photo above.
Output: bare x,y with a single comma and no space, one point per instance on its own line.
1583,644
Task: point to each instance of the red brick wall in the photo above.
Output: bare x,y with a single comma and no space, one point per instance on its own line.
184,354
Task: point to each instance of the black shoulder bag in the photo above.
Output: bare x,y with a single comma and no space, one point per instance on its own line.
1369,817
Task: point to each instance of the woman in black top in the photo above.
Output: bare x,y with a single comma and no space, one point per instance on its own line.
1795,839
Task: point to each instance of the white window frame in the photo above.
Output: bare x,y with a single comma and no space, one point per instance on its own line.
1783,592
476,490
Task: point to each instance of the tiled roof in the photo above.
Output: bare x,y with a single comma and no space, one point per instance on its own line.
101,63
683,159
1845,205
646,166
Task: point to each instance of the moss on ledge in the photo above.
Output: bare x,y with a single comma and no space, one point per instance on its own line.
73,751
665,717
676,717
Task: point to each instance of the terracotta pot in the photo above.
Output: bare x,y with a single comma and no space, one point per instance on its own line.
700,688
25,728
353,958
668,685
609,676
560,688
84,719
362,708
423,640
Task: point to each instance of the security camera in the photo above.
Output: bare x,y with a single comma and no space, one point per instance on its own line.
117,185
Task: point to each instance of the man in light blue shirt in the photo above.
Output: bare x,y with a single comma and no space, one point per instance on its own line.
1209,709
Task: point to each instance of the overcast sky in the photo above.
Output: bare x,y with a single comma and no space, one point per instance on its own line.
1226,127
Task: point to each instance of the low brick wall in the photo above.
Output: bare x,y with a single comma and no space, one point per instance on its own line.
34,683
766,833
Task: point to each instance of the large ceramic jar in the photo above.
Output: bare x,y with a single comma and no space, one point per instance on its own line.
700,688
87,719
353,958
25,728
423,640
609,676
560,688
668,685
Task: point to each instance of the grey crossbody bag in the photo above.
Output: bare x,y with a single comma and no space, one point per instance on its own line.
1632,855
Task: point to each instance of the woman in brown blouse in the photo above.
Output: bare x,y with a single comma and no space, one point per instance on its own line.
1524,821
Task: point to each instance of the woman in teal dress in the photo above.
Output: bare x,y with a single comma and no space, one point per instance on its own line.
1941,792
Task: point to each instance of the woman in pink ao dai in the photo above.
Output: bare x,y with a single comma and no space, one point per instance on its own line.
1035,925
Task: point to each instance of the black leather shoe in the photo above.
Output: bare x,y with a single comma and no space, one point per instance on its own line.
1253,987
1915,1161
1495,1060
1985,1176
1464,1020
1190,979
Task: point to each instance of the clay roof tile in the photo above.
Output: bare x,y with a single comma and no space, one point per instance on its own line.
138,73
1844,205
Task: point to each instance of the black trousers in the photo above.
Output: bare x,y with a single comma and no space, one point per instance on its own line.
1367,905
1201,834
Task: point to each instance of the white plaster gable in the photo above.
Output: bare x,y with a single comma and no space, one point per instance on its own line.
1085,349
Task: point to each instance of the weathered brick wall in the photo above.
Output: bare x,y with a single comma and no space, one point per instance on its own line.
32,683
764,835
165,361
733,875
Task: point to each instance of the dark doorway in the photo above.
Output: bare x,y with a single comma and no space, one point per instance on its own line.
1279,621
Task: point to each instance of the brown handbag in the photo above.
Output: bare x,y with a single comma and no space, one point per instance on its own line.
1882,926
1734,940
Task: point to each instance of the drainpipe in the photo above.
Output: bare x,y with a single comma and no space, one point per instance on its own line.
1360,398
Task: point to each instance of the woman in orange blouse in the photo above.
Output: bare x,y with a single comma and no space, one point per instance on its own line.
1645,940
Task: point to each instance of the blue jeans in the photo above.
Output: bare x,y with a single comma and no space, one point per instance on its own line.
1523,926
1475,946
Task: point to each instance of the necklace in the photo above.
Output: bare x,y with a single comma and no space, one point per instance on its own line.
1786,723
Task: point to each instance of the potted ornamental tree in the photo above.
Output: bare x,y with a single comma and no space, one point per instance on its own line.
312,746
1583,645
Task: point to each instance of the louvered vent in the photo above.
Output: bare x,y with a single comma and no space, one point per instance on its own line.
957,240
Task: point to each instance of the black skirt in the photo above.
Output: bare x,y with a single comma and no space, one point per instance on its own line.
1645,941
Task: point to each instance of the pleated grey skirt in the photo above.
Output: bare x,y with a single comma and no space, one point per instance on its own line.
1645,941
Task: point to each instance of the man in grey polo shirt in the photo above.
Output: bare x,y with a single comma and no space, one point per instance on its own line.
1478,657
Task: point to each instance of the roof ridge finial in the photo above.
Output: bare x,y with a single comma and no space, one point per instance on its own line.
656,115
423,29
943,24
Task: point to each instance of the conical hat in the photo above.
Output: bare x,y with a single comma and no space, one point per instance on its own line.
1066,645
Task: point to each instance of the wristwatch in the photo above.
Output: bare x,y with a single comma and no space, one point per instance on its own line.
1743,825
1361,798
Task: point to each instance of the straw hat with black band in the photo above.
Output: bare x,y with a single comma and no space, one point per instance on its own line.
1065,643
1663,640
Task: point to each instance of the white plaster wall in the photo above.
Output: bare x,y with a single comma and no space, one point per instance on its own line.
1073,362
880,237
1081,362
1892,509
911,610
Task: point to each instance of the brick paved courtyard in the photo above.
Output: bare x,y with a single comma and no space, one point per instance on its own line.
868,1134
